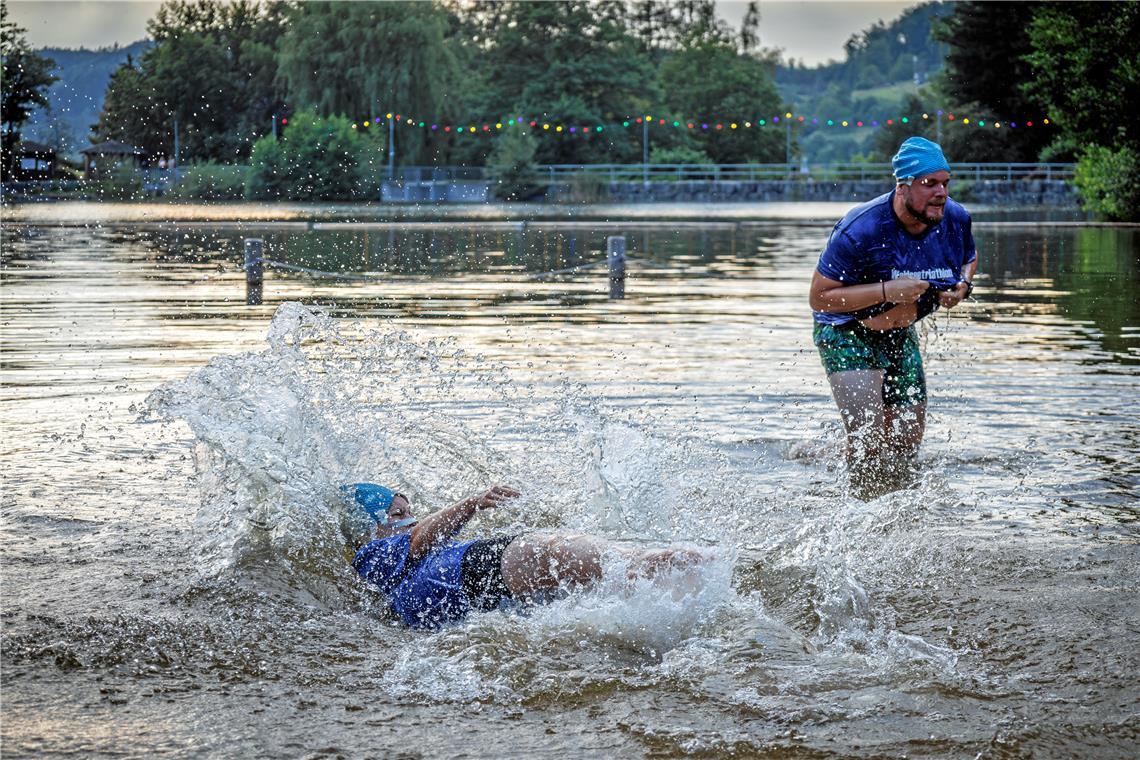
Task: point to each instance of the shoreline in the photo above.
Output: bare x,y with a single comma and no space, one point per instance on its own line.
491,217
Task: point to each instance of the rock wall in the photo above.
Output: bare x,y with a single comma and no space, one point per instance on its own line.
1053,193
1029,192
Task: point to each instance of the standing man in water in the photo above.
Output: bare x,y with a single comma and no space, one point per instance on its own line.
889,263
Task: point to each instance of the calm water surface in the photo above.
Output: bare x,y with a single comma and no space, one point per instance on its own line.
173,546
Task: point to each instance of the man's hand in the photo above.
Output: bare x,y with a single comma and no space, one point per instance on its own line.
905,289
948,299
494,497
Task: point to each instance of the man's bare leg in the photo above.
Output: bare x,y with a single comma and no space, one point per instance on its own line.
542,561
859,396
905,426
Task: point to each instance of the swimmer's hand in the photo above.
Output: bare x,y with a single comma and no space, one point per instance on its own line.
494,497
905,289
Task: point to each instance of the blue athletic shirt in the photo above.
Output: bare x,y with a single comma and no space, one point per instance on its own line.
424,594
870,244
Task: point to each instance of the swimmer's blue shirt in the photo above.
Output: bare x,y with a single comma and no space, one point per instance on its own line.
424,594
870,245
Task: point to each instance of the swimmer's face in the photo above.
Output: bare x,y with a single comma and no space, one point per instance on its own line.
400,509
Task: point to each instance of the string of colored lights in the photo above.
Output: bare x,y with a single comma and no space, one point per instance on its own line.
555,127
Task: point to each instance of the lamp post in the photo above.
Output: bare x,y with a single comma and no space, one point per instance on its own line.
645,152
391,147
788,139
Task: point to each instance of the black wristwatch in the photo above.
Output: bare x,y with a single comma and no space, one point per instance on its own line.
969,289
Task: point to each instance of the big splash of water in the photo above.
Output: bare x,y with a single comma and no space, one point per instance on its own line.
328,402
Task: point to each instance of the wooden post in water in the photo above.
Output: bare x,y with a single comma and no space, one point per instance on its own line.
254,270
615,256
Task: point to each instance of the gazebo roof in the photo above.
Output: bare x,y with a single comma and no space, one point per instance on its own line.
29,148
112,148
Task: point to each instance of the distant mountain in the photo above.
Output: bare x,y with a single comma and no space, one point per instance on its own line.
77,98
884,65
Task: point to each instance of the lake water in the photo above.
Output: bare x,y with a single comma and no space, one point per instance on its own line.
174,578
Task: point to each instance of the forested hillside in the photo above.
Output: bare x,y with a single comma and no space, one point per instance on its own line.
77,98
886,73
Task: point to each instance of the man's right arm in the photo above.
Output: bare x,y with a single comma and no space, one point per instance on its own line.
832,296
441,525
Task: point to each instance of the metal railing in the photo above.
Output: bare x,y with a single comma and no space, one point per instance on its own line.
827,172
440,174
830,172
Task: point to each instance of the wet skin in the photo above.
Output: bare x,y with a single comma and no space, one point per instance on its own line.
536,561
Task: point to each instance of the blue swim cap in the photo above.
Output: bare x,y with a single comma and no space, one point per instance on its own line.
918,157
372,498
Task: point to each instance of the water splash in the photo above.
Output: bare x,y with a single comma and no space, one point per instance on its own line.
330,402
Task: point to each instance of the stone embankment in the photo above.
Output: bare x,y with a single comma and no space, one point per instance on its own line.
1030,192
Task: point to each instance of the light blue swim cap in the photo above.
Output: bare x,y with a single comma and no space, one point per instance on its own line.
918,157
372,498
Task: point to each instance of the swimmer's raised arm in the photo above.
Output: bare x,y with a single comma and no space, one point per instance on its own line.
445,523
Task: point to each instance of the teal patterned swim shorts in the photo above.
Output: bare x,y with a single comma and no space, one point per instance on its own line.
853,346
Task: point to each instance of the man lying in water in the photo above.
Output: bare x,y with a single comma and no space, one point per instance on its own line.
430,579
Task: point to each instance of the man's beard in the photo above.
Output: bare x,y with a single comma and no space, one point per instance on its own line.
920,216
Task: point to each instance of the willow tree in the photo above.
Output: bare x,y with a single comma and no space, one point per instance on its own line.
365,60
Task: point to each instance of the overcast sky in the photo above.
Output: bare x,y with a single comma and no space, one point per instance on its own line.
813,32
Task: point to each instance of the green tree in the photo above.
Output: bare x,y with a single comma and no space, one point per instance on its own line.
678,155
889,136
573,63
965,143
650,23
26,77
986,68
132,113
1092,94
660,26
211,72
870,76
211,182
1106,180
750,28
316,159
512,166
1086,71
709,82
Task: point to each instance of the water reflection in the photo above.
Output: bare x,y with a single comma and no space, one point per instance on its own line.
1087,276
